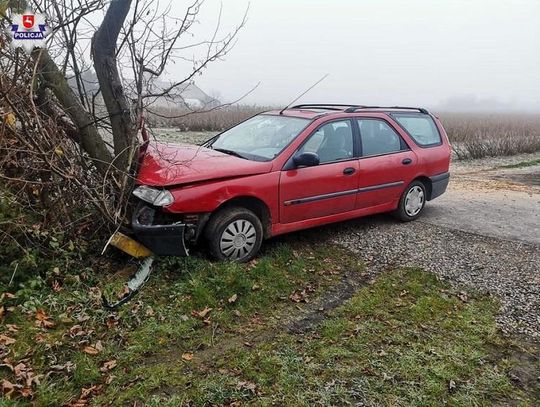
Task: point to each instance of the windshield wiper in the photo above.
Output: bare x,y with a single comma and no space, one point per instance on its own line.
230,152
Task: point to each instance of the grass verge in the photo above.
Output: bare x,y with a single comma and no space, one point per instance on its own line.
523,164
206,333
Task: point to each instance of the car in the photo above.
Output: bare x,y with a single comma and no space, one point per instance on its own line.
286,170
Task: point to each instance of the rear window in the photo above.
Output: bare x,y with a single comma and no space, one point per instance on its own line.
421,128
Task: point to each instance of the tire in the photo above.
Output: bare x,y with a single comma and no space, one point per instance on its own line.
412,202
234,234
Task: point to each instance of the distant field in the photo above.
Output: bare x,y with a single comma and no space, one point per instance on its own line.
492,135
472,135
173,135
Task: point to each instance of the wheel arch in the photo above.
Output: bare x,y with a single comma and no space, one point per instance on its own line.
256,205
427,184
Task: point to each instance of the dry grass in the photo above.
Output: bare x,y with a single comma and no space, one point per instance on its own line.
213,120
472,135
478,135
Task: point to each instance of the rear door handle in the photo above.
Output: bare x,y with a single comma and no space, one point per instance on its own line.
349,171
406,161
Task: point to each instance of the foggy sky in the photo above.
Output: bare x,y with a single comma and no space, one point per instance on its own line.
415,52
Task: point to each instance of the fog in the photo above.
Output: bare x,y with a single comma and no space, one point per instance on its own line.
482,53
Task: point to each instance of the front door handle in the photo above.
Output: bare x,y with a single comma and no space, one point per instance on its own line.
406,161
349,171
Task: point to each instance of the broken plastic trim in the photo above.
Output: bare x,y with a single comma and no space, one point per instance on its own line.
134,284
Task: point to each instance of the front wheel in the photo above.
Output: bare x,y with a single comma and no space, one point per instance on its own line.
412,202
234,234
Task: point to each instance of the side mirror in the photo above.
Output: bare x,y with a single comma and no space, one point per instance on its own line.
306,159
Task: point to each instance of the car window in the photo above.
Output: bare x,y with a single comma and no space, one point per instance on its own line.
331,142
260,138
379,138
421,128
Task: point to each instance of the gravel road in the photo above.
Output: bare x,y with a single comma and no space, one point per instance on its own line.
484,234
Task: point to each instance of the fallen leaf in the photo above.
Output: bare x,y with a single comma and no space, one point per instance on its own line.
99,346
232,298
112,321
19,369
6,340
201,314
68,367
109,365
250,386
187,356
83,399
7,388
41,315
76,330
123,293
12,328
83,318
43,320
462,295
298,296
90,350
39,338
56,286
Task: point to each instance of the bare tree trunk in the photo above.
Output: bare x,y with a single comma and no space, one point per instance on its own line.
90,138
105,64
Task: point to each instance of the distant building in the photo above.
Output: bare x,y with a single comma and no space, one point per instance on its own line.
187,95
194,97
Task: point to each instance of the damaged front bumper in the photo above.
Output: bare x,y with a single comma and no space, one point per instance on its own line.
163,239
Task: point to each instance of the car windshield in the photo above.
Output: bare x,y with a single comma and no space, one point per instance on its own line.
260,138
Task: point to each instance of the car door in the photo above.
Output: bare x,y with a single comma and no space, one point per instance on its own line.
325,189
386,163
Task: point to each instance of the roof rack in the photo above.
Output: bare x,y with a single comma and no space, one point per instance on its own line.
326,106
353,109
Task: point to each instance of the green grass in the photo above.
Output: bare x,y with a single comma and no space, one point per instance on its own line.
161,322
404,339
523,164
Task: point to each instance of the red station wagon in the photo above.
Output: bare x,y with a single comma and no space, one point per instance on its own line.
288,170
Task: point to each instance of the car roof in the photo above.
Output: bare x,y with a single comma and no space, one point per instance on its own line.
313,111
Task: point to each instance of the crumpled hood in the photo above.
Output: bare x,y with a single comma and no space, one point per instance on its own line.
167,164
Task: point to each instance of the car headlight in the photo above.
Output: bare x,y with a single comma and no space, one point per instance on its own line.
156,197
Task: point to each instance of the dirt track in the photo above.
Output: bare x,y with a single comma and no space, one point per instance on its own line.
497,202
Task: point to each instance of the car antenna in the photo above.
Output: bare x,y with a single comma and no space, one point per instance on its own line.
311,87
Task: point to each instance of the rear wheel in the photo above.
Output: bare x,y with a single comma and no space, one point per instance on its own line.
412,202
234,234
